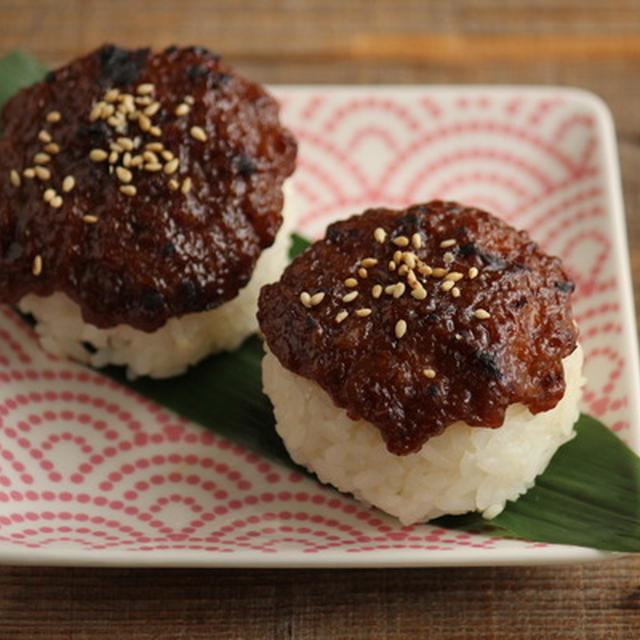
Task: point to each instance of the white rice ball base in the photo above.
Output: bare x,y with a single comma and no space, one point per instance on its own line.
179,343
463,469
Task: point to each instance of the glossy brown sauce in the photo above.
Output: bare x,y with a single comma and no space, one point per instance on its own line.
167,250
465,352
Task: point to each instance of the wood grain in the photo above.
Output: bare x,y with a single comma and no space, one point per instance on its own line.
587,43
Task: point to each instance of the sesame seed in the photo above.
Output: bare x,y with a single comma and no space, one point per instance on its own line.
53,116
438,272
115,122
369,262
419,293
392,265
397,256
341,315
454,275
152,109
128,190
114,146
126,107
186,185
52,148
409,259
429,373
29,172
171,166
389,289
126,143
173,185
153,166
144,100
113,158
403,270
363,313
44,136
198,133
425,270
96,112
145,89
473,272
56,202
350,282
189,99
154,146
36,267
411,278
136,161
455,292
155,131
126,159
399,290
448,257
112,95
481,314
317,298
182,109
150,156
416,241
400,328
380,235
89,219
43,173
124,175
107,111
98,155
144,122
49,195
14,177
401,241
362,272
305,298
447,285
376,291
350,297
167,155
445,244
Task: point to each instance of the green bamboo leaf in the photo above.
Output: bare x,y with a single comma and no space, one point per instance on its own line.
18,70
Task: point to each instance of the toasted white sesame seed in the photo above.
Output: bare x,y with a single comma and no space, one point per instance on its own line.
167,155
399,290
107,111
429,373
112,95
341,315
403,270
155,131
29,172
391,266
350,282
125,143
445,244
411,278
364,312
174,185
49,195
153,166
380,235
425,270
369,262
96,112
350,297
113,158
473,272
182,109
56,202
317,298
53,116
144,122
416,240
152,109
126,159
362,272
145,89
454,275
128,190
389,289
136,161
409,259
438,272
400,328
14,177
198,133
150,156
305,298
455,292
481,314
447,285
124,175
116,123
154,146
171,166
419,293
98,155
189,100
44,136
36,267
186,185
401,241
144,100
43,173
376,291
89,219
52,148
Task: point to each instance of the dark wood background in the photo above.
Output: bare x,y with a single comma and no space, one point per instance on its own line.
593,44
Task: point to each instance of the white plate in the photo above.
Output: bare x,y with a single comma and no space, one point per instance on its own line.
92,474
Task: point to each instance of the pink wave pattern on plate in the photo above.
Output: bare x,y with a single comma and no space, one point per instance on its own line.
88,468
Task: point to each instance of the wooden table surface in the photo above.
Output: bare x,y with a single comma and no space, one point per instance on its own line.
589,43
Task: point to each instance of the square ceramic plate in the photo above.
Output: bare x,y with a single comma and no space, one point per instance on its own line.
92,474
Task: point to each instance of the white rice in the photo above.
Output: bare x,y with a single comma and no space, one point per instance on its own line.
463,469
181,342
